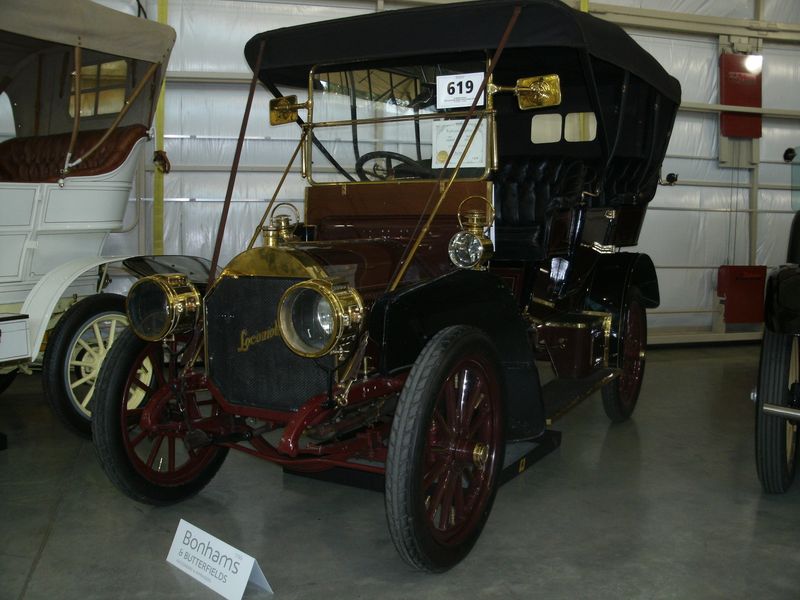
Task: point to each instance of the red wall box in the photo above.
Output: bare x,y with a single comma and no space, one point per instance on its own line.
739,86
743,290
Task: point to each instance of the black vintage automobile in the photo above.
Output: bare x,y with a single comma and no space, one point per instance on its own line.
778,390
473,170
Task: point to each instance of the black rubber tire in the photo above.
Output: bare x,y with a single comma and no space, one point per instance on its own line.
56,362
621,395
405,469
110,396
6,379
776,443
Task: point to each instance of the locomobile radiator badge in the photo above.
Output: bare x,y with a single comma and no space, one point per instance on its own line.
246,340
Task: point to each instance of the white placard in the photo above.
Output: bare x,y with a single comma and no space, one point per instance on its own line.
444,135
214,563
458,91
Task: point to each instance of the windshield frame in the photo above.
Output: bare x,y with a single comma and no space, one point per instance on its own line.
484,117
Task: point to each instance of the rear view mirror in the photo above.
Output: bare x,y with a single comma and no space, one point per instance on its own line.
538,92
284,110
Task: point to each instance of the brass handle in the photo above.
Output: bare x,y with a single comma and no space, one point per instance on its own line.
488,221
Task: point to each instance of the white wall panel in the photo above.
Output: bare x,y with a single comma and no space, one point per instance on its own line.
736,9
773,227
787,11
692,60
212,33
781,77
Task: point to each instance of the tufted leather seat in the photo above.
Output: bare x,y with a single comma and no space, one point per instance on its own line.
40,159
526,191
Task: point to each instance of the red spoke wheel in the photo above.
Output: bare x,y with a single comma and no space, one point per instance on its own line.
776,437
620,396
445,450
140,425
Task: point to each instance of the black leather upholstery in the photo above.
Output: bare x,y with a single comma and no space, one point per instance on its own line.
526,191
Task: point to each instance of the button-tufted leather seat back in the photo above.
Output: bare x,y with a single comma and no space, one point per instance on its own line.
40,159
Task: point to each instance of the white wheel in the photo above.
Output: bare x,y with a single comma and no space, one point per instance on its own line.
76,350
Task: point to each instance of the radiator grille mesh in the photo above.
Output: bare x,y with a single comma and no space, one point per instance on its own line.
248,360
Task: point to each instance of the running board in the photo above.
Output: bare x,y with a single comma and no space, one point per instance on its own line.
781,411
560,395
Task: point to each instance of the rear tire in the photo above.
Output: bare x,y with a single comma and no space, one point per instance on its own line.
776,437
76,349
620,396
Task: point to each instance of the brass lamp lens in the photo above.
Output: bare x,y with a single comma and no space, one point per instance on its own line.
465,250
308,322
148,309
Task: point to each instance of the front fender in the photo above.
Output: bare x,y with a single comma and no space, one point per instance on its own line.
194,267
782,300
401,323
44,296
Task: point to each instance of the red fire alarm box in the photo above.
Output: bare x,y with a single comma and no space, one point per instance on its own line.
742,287
740,85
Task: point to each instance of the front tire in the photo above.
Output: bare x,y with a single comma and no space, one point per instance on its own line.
141,428
620,396
776,437
76,349
445,450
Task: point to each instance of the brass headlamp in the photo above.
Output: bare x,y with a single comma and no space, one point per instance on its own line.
159,305
319,315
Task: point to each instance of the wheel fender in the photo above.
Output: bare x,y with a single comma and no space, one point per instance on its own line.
42,299
194,267
615,273
782,300
401,323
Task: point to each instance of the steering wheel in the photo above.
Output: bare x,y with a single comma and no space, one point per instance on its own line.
382,168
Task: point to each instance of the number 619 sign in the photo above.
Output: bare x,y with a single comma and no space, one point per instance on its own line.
458,91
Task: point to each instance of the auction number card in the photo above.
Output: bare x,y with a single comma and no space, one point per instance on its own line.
458,90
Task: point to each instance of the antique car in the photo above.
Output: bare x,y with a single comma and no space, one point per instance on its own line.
473,169
65,183
777,394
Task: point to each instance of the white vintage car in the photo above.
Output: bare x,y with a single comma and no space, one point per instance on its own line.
65,181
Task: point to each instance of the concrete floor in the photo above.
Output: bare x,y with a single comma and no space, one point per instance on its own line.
667,505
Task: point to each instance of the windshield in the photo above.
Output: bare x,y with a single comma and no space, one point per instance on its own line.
396,122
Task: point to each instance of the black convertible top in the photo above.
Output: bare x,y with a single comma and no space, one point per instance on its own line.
448,29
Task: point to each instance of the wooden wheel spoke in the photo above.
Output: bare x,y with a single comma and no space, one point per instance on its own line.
441,422
151,458
453,480
98,336
142,385
87,347
458,502
135,441
156,356
434,473
450,406
482,419
171,453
